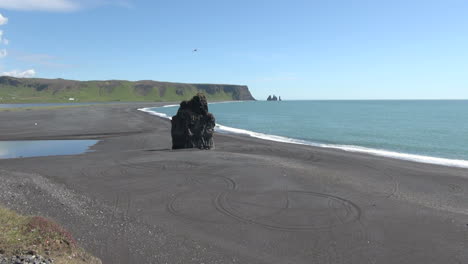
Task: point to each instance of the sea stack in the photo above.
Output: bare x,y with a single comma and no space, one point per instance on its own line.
272,98
193,126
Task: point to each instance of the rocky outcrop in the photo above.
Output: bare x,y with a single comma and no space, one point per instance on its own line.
28,258
193,126
272,98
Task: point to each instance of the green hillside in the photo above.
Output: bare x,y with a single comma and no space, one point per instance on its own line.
19,90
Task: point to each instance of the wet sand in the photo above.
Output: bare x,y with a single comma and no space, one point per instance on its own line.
133,200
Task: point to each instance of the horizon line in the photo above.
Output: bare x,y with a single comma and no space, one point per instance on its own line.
377,99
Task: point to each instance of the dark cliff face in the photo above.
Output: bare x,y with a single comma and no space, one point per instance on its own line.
4,80
239,92
58,89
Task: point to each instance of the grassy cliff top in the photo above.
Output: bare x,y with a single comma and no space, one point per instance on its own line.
34,90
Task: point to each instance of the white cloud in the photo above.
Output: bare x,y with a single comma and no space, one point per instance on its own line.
60,5
39,5
3,53
3,20
20,74
2,39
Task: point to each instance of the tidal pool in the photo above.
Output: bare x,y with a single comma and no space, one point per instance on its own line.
37,148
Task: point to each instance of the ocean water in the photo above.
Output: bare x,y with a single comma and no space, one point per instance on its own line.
423,131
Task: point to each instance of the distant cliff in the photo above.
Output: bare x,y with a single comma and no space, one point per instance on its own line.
19,90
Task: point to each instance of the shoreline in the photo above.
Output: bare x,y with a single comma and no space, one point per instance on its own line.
348,148
134,200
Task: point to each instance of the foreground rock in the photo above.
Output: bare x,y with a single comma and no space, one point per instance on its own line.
35,259
193,126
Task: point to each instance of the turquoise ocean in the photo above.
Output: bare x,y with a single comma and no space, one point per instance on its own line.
432,131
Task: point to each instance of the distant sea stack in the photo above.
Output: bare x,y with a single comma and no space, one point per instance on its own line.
26,90
273,98
193,126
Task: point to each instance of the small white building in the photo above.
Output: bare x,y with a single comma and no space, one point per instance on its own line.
71,99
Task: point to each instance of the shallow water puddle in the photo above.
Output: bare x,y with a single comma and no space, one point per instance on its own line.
37,148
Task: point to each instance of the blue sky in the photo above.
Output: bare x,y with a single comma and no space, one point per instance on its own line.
328,49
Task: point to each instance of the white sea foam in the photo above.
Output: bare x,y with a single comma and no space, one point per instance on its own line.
377,152
223,102
173,105
151,112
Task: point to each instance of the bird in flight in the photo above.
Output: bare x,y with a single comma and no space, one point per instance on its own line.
195,50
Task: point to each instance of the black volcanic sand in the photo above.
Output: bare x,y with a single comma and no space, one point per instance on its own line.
133,200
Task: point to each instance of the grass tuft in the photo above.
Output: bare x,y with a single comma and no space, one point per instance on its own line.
21,235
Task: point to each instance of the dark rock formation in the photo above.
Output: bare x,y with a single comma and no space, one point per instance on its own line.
272,98
193,126
279,99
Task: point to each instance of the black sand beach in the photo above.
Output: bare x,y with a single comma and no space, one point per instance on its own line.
133,200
